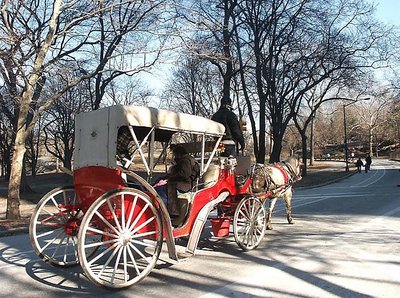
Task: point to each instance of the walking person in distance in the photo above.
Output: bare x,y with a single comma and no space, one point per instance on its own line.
359,164
368,162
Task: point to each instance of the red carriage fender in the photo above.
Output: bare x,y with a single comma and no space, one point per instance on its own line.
200,221
93,181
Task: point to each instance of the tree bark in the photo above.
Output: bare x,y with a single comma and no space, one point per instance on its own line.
276,148
370,142
312,142
304,152
14,184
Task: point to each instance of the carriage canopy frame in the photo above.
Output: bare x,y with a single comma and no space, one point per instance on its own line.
96,134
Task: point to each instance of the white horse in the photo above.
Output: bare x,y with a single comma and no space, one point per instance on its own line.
276,180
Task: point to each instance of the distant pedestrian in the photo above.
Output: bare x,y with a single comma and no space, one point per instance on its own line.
368,162
359,164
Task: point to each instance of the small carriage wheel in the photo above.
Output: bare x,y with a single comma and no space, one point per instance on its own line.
54,225
249,223
130,228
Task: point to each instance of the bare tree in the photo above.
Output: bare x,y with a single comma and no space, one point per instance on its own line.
374,119
394,119
304,116
36,38
269,29
298,45
328,127
212,25
58,120
134,91
144,48
213,39
193,88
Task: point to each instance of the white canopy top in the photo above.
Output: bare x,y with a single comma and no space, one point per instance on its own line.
149,117
96,131
152,117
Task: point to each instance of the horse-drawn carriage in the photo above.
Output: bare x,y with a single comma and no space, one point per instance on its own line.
112,220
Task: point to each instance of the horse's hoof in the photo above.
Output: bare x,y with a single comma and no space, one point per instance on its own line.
269,227
290,220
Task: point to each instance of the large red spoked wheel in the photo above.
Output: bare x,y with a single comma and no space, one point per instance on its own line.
54,227
130,229
249,223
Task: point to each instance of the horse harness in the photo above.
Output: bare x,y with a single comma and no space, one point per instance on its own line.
289,174
294,176
287,178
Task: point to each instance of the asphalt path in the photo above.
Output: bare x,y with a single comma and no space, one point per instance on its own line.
345,243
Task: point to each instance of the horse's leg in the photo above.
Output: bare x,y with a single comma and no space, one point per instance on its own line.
287,196
270,210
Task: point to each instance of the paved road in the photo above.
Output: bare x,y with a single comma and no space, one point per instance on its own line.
345,243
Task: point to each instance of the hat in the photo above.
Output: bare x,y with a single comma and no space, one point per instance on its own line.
226,100
178,150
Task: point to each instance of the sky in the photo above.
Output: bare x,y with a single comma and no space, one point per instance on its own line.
388,11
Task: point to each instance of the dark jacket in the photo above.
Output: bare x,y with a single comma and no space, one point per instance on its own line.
359,163
232,128
184,172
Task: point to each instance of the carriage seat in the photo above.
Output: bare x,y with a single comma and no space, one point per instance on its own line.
184,201
210,177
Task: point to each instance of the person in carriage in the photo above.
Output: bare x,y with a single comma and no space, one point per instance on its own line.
181,177
233,133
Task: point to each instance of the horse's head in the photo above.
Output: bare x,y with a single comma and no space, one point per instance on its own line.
294,165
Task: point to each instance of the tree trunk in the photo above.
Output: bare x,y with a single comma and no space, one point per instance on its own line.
304,152
276,152
13,200
312,143
7,158
260,157
67,162
261,148
371,143
246,96
276,148
25,187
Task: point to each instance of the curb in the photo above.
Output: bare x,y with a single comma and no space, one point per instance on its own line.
326,183
14,231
